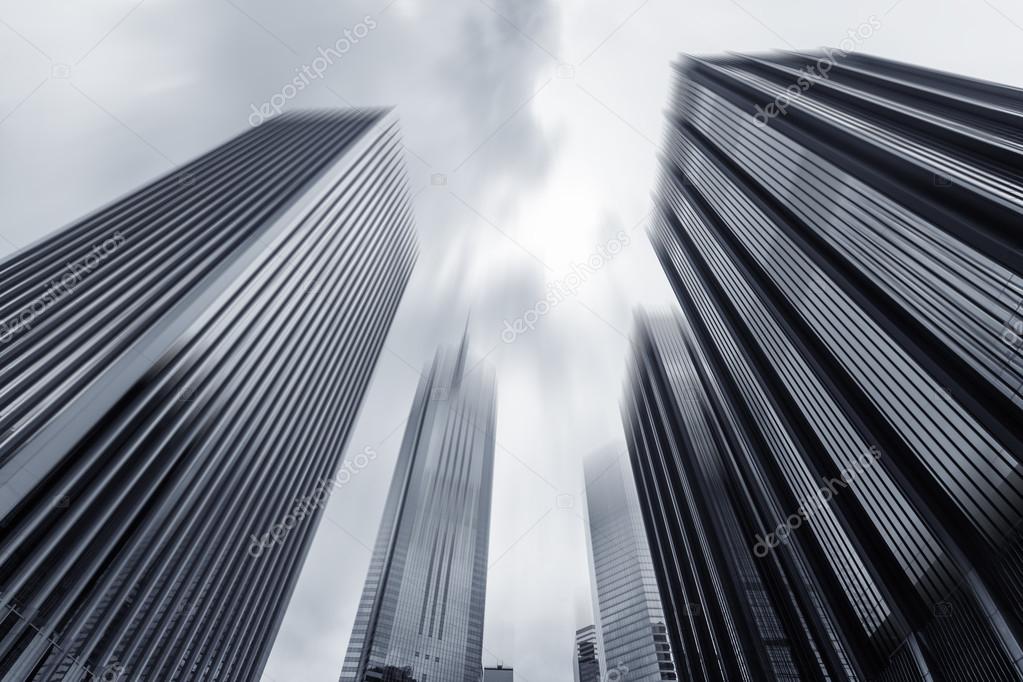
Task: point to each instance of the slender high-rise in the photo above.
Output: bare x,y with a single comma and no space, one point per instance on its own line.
422,606
828,438
631,634
179,372
586,661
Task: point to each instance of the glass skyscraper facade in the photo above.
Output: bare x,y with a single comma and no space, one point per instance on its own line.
423,603
631,634
179,371
828,438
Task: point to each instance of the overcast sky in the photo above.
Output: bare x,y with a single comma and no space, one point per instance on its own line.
532,129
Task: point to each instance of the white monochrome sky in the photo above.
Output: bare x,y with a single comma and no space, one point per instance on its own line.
532,129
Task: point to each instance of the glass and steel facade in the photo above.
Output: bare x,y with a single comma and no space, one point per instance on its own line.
423,602
178,370
631,634
828,437
586,663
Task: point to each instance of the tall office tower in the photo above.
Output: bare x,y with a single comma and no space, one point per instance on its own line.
498,674
631,634
422,605
587,656
179,372
828,440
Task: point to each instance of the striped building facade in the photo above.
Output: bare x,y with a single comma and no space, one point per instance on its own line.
179,372
828,439
420,617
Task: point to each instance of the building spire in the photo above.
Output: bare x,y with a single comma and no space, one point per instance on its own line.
463,351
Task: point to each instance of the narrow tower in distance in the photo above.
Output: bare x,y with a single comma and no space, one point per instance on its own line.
631,635
586,658
420,618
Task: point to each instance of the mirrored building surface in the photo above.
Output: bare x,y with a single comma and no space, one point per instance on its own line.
180,372
828,438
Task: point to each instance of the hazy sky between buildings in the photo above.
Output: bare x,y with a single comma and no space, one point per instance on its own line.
532,130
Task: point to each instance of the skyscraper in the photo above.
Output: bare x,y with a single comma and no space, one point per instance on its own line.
180,372
587,657
498,674
422,605
828,439
631,634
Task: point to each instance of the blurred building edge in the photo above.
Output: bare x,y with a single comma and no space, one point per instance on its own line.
176,403
587,656
390,673
422,606
632,643
498,674
827,439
